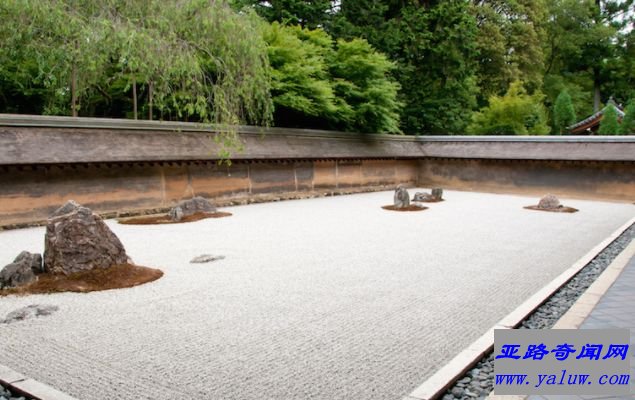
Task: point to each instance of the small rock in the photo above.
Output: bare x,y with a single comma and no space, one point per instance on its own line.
401,198
549,202
437,193
421,196
176,214
205,258
32,311
456,392
21,271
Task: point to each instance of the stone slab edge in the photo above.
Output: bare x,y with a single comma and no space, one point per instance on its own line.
22,385
437,384
581,309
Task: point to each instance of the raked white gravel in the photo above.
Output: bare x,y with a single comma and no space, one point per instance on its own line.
330,298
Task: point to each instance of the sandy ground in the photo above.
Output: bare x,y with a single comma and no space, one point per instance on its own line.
330,298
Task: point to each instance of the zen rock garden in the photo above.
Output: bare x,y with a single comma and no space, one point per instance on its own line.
80,254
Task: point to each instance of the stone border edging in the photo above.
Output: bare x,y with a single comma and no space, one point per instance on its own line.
440,381
585,304
19,383
581,309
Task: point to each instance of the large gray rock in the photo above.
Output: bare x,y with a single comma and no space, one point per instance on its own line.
437,193
79,240
191,206
402,198
549,202
21,271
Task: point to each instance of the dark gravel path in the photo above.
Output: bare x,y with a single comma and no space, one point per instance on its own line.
6,394
478,382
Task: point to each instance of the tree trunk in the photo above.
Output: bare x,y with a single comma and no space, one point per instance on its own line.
74,90
596,90
134,96
150,94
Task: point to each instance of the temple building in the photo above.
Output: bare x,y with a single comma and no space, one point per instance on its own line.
590,125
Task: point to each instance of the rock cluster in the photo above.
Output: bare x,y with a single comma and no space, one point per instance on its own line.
191,206
401,198
549,202
22,271
78,240
436,195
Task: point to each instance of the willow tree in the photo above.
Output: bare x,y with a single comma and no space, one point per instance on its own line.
232,83
67,42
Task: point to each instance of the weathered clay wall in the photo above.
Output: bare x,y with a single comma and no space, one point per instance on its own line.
576,179
121,166
30,194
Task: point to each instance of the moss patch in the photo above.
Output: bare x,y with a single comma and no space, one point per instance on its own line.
115,277
165,219
561,209
409,208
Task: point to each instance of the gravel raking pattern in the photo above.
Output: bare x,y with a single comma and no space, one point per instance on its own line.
330,298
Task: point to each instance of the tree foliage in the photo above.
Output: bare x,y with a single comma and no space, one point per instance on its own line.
203,60
420,67
515,113
339,85
509,44
627,126
582,36
563,113
609,124
367,95
300,78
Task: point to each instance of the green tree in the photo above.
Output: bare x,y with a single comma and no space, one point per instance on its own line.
308,14
609,124
515,113
628,122
66,51
509,43
584,38
301,87
433,44
197,60
319,83
364,89
437,54
563,113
